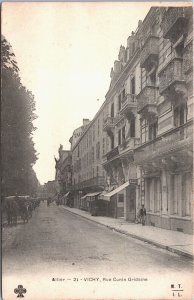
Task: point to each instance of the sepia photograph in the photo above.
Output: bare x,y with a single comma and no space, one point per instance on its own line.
97,150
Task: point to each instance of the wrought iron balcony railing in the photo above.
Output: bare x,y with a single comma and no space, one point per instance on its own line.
188,58
108,123
98,181
146,98
172,73
129,144
174,140
129,104
150,51
111,154
118,118
174,22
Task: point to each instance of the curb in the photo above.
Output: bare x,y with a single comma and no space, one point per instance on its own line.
168,248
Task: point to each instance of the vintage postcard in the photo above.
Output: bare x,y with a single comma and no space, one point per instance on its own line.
97,150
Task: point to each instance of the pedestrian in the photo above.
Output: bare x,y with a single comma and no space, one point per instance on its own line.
48,201
142,215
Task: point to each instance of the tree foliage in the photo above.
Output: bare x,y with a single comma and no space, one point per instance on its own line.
17,115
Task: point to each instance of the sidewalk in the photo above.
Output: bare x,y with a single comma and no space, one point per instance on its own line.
173,241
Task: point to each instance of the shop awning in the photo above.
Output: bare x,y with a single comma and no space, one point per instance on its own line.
90,195
93,194
113,192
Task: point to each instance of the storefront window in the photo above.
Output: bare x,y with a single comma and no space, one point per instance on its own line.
186,194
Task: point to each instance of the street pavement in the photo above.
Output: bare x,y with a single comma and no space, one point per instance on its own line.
174,241
58,244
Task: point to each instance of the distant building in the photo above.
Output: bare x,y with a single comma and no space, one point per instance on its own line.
48,190
88,175
63,172
78,132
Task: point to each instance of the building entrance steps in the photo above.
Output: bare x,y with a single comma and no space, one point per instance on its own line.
177,242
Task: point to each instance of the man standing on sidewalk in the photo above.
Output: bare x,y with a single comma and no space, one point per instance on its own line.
142,215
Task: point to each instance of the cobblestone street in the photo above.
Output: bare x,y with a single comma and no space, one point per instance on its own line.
57,244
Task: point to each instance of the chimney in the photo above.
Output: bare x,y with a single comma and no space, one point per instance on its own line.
139,23
86,122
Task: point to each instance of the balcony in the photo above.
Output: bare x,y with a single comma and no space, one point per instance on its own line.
174,22
146,100
129,105
118,119
149,53
129,144
174,142
188,62
171,76
95,182
123,150
108,125
111,154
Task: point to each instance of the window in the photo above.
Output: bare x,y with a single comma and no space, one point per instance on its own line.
186,194
133,85
179,50
123,93
98,150
93,132
98,128
132,127
112,142
120,198
166,54
121,97
123,134
119,102
119,137
97,171
103,146
92,154
153,130
112,110
180,115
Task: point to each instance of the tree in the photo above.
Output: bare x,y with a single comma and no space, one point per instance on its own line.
17,115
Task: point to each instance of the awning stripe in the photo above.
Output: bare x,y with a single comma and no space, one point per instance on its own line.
90,195
115,191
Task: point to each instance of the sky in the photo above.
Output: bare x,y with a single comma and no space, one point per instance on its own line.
65,52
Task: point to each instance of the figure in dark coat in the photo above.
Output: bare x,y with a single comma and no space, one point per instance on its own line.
142,215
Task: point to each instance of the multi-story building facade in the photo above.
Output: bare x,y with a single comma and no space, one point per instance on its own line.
138,147
164,104
63,175
77,133
88,175
49,189
122,127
